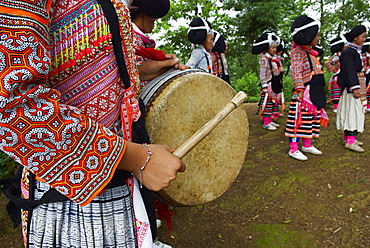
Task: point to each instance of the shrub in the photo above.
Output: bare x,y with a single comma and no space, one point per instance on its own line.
8,166
249,83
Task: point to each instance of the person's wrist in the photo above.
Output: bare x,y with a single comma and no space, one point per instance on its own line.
134,157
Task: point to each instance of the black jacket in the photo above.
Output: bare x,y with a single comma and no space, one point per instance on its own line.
350,65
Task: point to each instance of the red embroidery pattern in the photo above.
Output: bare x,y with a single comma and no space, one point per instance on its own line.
61,146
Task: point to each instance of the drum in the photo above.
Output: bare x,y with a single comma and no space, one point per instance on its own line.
178,103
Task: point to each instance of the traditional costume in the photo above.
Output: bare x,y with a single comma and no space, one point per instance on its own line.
270,80
218,48
200,58
145,50
366,59
350,116
306,113
144,45
332,65
68,104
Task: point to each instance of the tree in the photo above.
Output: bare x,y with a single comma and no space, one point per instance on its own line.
242,21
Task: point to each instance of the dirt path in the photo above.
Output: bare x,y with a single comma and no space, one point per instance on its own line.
277,201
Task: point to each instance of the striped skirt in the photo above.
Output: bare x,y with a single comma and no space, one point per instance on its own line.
271,105
300,123
335,90
108,221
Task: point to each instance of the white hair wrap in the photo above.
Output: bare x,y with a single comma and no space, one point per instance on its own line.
205,27
269,40
313,23
342,40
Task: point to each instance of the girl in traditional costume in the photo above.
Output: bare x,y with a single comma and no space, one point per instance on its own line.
200,33
306,107
337,45
270,79
219,47
366,59
351,79
143,19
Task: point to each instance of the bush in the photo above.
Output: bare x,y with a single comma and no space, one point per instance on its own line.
249,83
8,166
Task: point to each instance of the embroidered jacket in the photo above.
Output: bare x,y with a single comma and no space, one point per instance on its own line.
301,72
216,63
351,64
266,72
61,94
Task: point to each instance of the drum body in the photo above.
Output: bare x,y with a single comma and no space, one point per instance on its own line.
178,104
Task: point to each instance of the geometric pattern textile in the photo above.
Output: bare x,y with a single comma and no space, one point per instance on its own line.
73,153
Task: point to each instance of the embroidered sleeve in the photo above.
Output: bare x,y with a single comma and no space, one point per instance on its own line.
138,43
297,69
62,147
265,73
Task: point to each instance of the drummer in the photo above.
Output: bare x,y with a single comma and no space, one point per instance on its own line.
150,61
200,33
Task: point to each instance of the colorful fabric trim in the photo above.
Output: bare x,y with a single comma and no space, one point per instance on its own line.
301,72
61,146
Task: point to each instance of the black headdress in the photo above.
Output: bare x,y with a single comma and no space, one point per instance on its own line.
263,42
152,8
198,30
304,29
337,44
356,31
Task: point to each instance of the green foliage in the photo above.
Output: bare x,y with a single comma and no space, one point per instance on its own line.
249,84
241,22
8,166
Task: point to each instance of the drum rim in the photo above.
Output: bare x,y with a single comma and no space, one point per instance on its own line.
167,196
153,86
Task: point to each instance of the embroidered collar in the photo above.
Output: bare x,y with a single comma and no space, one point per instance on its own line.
355,46
308,49
273,58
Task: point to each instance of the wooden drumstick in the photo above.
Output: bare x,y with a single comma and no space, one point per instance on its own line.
186,147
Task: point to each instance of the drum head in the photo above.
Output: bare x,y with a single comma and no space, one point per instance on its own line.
180,107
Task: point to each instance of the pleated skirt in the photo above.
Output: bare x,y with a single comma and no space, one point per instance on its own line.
350,115
108,221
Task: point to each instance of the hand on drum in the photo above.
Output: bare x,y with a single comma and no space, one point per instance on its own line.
159,171
162,168
153,68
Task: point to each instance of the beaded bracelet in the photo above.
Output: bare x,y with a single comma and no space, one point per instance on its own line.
150,153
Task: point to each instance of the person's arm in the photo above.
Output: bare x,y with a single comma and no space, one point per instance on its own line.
153,68
296,71
195,57
161,168
329,65
348,68
264,72
62,147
